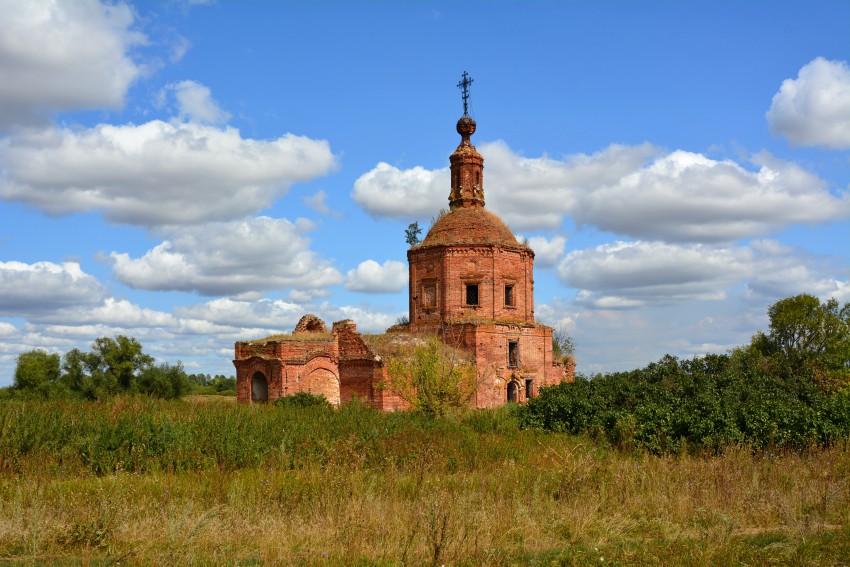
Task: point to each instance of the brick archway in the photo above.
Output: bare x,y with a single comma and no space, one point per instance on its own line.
322,382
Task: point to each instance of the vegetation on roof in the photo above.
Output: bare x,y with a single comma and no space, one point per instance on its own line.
280,337
402,345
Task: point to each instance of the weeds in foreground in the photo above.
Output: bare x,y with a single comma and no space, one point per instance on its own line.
141,482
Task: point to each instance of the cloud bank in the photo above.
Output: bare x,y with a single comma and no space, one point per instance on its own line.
629,275
156,173
250,255
44,287
635,191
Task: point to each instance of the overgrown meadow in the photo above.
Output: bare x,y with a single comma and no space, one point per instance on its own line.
138,481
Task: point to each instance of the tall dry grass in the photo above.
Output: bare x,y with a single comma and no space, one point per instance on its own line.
97,484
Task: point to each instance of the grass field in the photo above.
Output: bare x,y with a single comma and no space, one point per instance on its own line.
134,481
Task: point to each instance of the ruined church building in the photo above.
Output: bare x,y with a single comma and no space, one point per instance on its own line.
471,283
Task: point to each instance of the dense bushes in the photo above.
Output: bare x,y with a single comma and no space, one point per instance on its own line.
701,404
787,389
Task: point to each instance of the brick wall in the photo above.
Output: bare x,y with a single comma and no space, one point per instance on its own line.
448,270
490,344
349,342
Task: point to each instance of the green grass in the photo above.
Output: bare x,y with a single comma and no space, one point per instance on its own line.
143,482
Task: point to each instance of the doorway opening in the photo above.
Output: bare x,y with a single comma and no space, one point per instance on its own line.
259,388
513,390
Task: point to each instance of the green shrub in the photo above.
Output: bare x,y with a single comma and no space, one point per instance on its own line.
303,400
706,403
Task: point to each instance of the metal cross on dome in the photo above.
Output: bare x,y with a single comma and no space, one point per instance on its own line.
464,86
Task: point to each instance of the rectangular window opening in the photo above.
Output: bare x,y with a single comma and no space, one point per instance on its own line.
513,354
472,294
509,295
529,389
429,295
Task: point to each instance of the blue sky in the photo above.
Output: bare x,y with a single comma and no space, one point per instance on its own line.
193,173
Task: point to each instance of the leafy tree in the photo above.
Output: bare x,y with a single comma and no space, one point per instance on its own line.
808,337
111,367
208,384
411,234
118,361
200,379
432,378
223,384
167,381
37,373
77,367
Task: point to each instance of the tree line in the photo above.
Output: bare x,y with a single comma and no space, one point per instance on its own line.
112,366
788,388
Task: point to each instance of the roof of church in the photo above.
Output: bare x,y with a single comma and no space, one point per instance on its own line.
468,223
469,226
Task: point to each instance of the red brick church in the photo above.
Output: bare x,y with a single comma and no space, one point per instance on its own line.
471,283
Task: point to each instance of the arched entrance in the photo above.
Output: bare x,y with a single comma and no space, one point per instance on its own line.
513,391
259,388
323,382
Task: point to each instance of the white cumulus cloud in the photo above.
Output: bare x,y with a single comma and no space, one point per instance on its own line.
633,191
631,274
533,193
45,286
63,56
547,251
234,257
388,191
156,173
195,103
112,312
624,275
262,313
814,108
684,196
372,277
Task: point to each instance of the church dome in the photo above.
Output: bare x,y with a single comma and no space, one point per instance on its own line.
469,226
